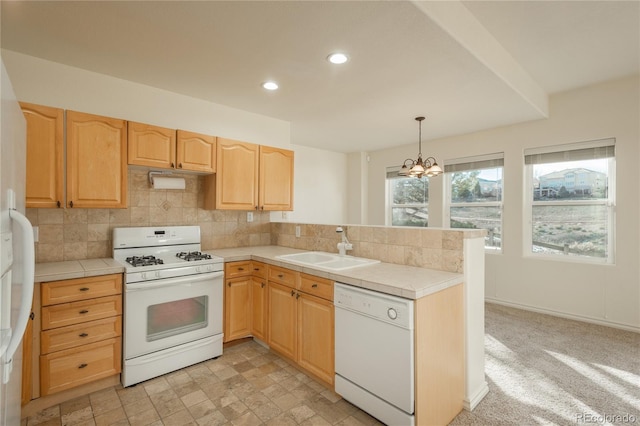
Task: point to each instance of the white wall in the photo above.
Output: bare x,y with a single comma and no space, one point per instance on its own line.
608,294
319,179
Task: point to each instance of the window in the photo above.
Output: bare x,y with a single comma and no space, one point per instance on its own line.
408,199
474,195
571,197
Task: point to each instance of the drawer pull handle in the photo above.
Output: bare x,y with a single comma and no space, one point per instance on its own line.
297,296
280,276
292,292
314,285
84,289
83,365
84,311
261,285
229,284
256,269
240,269
83,335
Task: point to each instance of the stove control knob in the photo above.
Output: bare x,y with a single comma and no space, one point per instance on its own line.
198,269
158,274
144,275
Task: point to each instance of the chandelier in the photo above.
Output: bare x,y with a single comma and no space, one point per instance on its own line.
418,168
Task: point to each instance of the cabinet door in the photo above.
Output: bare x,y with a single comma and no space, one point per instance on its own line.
276,179
196,152
151,146
315,336
282,319
237,308
44,186
259,308
235,184
96,161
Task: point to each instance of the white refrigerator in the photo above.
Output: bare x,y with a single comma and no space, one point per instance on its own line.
16,251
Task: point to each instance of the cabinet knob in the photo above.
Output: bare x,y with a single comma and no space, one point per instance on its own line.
229,284
58,203
240,269
71,204
179,165
84,311
173,166
297,296
82,335
292,292
83,365
314,285
261,207
261,285
256,207
280,276
84,289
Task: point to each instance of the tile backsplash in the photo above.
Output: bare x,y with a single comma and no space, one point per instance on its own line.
73,234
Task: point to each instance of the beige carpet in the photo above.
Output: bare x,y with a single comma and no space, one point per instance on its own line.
544,370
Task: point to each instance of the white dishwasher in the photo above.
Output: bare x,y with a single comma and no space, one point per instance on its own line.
374,357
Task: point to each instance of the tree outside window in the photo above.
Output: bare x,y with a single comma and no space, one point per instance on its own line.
409,200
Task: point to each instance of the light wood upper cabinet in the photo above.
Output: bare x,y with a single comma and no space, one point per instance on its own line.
235,184
45,149
151,146
96,161
196,152
275,191
250,177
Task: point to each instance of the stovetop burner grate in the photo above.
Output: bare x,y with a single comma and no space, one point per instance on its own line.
193,255
143,261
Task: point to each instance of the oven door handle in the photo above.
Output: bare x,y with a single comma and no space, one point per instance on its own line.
172,282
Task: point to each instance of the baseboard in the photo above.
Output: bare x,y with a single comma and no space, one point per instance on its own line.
469,405
551,312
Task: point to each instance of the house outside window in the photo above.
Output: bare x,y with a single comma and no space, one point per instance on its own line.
407,199
474,195
571,201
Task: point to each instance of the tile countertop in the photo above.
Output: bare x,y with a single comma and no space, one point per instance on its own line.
405,281
55,271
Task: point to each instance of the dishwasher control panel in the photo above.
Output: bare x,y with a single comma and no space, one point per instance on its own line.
383,307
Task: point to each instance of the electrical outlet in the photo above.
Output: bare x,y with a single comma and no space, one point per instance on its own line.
249,216
285,215
297,231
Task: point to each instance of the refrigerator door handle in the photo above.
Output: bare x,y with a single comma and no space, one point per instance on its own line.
28,262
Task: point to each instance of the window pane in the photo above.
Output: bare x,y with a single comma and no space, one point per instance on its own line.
571,180
569,229
409,216
488,218
476,186
410,190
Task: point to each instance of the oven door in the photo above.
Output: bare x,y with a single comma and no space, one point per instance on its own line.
165,313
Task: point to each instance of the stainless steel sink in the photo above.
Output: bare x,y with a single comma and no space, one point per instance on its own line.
329,261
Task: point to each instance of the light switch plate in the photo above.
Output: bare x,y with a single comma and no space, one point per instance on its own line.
298,231
249,216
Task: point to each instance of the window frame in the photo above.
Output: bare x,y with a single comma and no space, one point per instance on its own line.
392,174
480,162
609,202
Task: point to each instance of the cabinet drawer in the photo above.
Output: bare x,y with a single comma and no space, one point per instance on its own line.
77,312
316,286
80,289
71,336
283,276
73,367
237,269
259,269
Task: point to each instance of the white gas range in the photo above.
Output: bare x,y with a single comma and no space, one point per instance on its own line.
172,300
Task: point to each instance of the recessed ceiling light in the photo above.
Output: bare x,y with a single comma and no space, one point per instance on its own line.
338,58
270,85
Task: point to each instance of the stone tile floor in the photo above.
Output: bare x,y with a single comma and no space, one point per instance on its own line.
247,385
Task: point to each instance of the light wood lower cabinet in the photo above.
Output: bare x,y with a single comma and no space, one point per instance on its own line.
316,336
283,320
237,312
259,307
81,329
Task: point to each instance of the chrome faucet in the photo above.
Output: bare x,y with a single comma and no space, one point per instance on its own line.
345,244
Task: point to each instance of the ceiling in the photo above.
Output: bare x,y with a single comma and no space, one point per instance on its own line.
466,66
